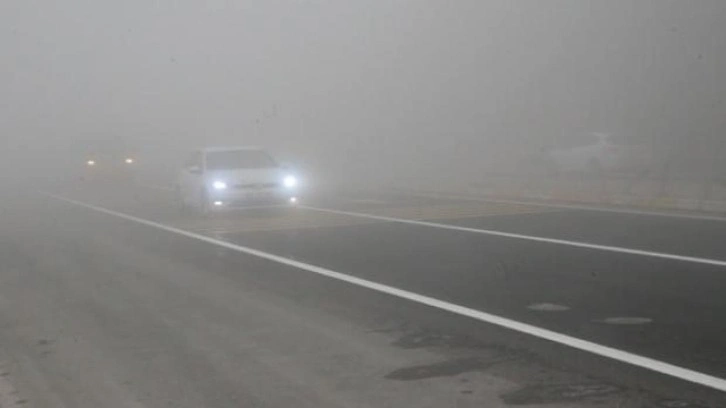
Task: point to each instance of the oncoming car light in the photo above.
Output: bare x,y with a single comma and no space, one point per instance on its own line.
289,181
129,160
91,162
219,185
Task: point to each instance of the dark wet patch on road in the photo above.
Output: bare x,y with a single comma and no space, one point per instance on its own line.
45,347
680,404
441,369
429,338
551,394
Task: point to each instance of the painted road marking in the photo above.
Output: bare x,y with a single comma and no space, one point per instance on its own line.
279,218
280,223
548,307
295,218
455,211
574,342
581,207
577,244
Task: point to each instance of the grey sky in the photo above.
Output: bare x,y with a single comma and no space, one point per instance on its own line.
342,79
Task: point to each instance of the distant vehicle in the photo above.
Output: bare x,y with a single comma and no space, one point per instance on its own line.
109,165
595,153
227,177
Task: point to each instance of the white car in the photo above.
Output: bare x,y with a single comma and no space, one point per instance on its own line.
227,177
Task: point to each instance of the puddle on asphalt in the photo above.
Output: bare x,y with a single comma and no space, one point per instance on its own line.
429,338
441,369
627,321
548,307
680,404
551,394
528,395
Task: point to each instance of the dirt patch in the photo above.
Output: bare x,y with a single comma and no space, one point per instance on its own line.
680,404
429,338
550,394
441,369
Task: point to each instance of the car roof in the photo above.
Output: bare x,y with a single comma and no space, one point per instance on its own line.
230,149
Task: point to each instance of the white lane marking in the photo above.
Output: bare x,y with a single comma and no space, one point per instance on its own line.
627,321
548,307
574,342
581,207
577,244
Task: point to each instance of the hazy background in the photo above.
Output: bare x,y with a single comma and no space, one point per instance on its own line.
360,90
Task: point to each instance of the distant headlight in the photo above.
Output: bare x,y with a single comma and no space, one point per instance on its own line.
289,181
219,185
129,161
91,162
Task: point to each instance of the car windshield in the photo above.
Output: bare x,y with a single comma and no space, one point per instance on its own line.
239,159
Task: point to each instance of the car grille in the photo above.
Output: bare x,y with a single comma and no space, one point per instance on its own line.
256,186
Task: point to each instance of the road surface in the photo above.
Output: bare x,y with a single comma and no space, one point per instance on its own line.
112,297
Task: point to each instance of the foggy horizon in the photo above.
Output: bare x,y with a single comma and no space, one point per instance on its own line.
404,85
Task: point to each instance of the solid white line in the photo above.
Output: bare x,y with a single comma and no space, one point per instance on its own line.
584,345
608,248
581,207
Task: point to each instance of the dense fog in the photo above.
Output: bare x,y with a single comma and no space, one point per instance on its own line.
394,92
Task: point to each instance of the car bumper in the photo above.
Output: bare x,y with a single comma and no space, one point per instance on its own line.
226,199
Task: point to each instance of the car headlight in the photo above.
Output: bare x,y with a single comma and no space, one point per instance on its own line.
289,181
91,162
129,161
219,185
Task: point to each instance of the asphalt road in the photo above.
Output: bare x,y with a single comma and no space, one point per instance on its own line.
118,299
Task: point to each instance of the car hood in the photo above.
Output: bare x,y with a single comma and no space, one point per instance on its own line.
248,176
